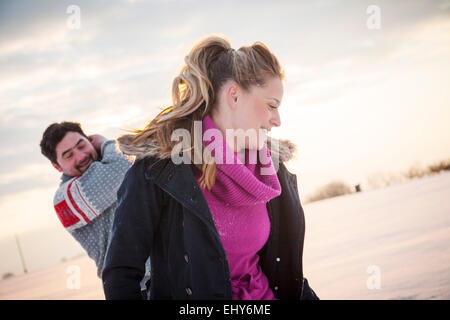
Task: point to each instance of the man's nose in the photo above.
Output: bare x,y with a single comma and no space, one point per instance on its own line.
79,156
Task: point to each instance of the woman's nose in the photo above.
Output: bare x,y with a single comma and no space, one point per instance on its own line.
276,120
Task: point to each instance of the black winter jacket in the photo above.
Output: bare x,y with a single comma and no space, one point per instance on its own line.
163,214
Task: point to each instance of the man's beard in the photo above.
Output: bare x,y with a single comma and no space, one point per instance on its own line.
85,161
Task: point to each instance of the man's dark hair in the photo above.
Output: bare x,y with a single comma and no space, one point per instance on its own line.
54,134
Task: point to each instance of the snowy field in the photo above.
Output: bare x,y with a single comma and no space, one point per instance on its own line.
391,243
401,231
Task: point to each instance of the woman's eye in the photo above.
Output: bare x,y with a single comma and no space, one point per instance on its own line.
272,107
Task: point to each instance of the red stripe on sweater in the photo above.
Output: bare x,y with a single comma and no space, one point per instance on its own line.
72,201
85,201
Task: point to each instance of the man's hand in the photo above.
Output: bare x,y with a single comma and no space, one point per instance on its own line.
97,141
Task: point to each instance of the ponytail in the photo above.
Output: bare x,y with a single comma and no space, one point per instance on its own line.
209,64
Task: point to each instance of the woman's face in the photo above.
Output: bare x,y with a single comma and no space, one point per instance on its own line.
257,108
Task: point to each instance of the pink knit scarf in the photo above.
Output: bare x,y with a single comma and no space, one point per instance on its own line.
241,183
237,202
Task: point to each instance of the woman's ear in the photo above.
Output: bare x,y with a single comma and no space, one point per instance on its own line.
233,92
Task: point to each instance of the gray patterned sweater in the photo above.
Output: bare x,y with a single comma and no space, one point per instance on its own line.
86,204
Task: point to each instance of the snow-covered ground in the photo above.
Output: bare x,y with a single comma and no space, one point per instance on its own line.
390,243
74,279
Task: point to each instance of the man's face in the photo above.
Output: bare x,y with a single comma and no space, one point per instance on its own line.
74,154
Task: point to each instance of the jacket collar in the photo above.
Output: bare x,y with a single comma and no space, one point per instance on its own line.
65,178
282,150
179,182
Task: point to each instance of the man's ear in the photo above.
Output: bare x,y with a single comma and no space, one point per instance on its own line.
56,167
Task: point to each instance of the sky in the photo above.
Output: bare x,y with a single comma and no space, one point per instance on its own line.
358,100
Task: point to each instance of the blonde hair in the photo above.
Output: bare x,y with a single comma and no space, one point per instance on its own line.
209,64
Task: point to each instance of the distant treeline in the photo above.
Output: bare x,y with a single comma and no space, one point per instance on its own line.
377,180
417,172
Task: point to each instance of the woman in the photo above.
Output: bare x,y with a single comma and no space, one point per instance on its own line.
222,223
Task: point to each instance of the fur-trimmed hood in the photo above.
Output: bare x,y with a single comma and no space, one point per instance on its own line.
286,149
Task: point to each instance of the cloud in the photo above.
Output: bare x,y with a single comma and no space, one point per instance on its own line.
117,69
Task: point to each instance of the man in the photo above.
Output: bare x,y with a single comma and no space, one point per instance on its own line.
92,171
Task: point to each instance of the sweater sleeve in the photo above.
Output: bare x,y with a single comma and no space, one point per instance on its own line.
99,184
81,199
137,214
